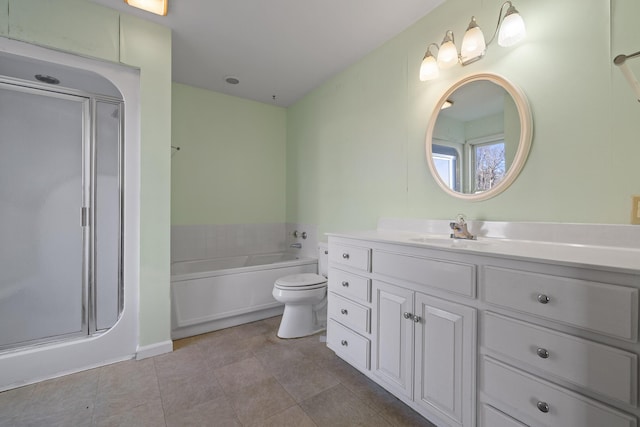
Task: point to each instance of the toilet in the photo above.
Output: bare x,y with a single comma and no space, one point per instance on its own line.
305,300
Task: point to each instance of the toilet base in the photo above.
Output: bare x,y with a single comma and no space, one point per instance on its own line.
300,321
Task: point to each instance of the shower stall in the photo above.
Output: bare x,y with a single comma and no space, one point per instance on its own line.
60,204
63,214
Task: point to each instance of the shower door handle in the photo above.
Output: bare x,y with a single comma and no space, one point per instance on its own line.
84,216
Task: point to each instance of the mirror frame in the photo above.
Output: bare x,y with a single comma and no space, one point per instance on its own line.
524,144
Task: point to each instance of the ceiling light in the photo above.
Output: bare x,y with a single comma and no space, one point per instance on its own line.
159,7
232,80
511,31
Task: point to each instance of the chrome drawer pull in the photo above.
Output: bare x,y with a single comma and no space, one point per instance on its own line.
344,343
543,407
345,284
344,311
543,353
543,299
345,255
407,315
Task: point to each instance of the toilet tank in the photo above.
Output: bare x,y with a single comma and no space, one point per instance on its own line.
323,259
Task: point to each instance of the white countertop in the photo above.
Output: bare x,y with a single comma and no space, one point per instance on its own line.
584,255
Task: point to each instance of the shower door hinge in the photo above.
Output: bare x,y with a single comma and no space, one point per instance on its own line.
85,216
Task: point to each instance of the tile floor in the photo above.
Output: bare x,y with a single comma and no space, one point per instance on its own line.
241,376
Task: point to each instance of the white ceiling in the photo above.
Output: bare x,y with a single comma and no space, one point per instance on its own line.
284,48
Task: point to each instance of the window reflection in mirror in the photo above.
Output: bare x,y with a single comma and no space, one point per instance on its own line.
475,140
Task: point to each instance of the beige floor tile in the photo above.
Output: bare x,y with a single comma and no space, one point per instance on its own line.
260,401
149,414
215,413
76,417
241,374
13,402
65,394
226,349
306,379
180,393
338,407
400,415
253,329
184,362
124,386
278,357
291,417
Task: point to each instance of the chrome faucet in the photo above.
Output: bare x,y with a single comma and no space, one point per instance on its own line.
459,228
296,245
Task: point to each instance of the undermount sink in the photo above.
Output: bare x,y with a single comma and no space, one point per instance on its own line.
446,241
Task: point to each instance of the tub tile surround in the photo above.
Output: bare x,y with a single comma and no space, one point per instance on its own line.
193,242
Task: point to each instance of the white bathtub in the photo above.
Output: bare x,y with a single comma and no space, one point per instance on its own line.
217,293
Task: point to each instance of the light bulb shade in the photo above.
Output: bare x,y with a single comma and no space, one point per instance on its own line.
512,29
159,7
429,68
448,53
473,45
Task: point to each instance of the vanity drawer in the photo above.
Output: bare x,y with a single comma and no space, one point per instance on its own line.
350,285
349,313
449,276
599,307
348,345
491,417
606,370
356,257
545,403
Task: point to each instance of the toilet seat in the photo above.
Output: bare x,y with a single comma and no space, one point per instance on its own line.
305,281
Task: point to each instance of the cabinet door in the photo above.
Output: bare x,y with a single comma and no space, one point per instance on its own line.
393,331
445,359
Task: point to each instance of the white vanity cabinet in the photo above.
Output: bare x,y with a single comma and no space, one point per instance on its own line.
424,350
422,346
489,338
349,304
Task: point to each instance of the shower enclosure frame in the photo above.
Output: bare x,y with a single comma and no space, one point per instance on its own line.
88,214
26,365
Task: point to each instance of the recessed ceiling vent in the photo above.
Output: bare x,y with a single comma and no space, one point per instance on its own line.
47,79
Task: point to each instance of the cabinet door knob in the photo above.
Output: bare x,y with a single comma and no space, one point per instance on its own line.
543,407
543,299
345,284
344,311
407,315
344,343
345,255
417,319
542,352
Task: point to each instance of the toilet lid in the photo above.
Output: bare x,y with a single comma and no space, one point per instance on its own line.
301,280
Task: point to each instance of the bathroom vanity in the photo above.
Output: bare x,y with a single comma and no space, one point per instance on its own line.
493,332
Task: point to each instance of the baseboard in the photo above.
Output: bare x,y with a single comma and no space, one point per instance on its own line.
154,349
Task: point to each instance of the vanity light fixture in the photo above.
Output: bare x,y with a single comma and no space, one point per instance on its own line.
159,7
510,30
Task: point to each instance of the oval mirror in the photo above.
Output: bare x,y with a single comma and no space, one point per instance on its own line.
479,136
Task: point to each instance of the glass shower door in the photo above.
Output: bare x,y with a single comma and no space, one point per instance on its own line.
43,188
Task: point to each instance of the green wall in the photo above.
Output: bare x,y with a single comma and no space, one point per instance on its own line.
231,165
355,145
82,27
